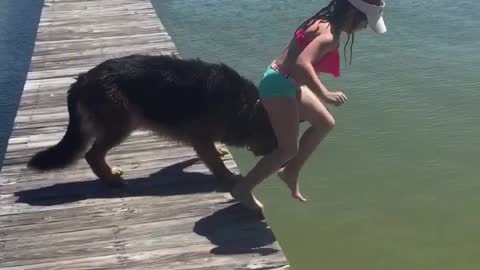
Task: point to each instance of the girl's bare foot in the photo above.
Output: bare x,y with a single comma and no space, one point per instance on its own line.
292,183
246,198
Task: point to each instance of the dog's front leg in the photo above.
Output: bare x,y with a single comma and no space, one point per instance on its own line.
209,154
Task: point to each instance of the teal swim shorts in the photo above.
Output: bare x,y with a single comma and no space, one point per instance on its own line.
274,84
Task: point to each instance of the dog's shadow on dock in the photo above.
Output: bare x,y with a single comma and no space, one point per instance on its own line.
232,229
171,180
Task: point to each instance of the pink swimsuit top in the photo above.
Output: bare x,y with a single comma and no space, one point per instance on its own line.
330,63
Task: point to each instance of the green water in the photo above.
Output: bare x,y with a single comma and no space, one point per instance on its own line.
395,186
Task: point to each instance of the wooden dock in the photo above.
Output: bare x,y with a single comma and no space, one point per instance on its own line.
169,216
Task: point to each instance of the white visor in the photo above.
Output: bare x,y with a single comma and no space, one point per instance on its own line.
374,14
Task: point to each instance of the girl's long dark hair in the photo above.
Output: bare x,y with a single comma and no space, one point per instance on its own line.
335,13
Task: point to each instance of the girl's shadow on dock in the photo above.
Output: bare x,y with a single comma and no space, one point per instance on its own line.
236,230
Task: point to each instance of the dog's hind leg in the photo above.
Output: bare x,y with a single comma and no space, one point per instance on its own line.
209,154
96,158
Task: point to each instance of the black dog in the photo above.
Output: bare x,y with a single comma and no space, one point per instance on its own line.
191,101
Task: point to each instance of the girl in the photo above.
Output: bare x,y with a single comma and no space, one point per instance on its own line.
291,90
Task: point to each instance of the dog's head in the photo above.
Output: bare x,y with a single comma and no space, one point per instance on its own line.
262,140
249,122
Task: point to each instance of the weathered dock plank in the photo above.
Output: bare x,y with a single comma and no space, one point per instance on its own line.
169,216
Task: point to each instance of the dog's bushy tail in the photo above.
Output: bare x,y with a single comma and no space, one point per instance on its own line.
73,142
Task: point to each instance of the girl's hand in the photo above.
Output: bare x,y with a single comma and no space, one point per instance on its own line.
336,98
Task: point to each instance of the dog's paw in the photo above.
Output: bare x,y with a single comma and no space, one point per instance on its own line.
117,171
221,151
115,179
